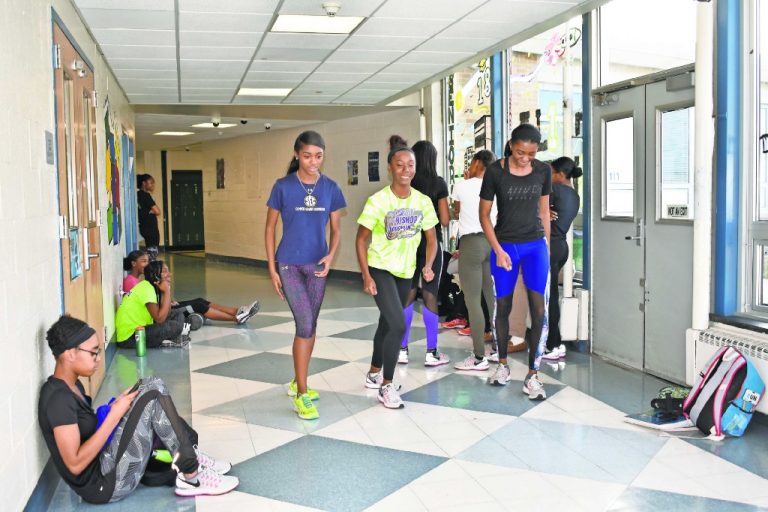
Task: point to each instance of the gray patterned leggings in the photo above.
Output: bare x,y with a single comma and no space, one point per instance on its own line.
152,414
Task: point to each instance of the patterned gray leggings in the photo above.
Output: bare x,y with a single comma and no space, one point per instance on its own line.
152,414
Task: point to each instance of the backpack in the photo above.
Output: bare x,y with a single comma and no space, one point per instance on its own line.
726,394
159,472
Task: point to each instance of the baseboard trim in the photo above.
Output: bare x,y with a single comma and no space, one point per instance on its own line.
42,495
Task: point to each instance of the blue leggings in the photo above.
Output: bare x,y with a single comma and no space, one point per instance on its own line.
532,258
304,292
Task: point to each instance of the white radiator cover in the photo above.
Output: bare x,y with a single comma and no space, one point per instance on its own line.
753,345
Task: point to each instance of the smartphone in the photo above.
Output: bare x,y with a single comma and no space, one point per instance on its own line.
319,267
135,386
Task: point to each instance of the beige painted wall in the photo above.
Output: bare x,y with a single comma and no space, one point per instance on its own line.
235,216
30,286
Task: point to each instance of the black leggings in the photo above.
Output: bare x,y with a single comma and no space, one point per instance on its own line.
558,255
200,306
391,294
158,332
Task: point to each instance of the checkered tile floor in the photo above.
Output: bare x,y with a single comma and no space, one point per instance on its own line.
458,444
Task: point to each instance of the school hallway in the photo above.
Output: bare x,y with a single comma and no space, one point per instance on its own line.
458,444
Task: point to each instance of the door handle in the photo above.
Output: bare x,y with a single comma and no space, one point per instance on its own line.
764,143
633,238
86,250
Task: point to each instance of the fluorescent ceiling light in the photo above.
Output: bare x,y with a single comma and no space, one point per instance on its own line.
210,125
175,134
248,91
316,24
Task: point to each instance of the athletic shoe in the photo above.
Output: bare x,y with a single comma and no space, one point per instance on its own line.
561,349
179,341
389,396
533,387
373,380
471,363
493,357
207,483
435,358
246,312
293,390
403,357
467,331
552,355
222,467
195,321
456,323
306,410
500,376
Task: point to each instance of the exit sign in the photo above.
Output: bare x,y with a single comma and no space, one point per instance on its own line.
677,210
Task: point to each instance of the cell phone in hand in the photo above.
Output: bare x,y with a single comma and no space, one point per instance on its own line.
135,386
319,267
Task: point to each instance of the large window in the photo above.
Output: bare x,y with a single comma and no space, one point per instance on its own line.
642,37
539,72
756,163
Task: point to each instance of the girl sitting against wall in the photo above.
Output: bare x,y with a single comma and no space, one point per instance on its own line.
105,463
195,310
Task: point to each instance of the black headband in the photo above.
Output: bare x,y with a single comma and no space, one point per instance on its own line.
74,341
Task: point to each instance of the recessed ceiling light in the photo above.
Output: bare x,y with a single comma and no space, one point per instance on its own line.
316,24
175,134
247,91
210,125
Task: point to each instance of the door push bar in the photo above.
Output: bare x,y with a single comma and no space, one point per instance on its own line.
640,232
764,143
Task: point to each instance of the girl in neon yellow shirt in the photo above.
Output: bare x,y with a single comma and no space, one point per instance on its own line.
389,234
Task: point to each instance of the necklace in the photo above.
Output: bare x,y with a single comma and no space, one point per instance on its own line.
310,201
399,196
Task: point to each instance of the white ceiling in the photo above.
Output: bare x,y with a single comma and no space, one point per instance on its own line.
200,52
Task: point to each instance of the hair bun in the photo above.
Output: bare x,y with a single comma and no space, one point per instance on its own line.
577,172
396,141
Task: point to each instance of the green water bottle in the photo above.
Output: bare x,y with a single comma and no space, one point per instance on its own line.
141,341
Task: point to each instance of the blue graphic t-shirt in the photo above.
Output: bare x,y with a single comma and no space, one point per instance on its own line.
305,210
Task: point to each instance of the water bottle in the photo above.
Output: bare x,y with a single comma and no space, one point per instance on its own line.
141,341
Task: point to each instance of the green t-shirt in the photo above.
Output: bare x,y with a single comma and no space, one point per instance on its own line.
133,310
396,225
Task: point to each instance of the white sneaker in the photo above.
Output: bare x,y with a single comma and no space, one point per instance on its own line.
373,380
179,341
471,363
552,355
207,483
389,396
533,387
222,467
500,376
493,358
436,359
244,313
561,349
403,357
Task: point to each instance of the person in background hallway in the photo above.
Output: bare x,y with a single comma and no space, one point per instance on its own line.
389,234
148,214
134,264
433,186
95,460
474,262
564,205
520,184
306,200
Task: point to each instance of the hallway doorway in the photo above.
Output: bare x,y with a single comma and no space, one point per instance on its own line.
643,224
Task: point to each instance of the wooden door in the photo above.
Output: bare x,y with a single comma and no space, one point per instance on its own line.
78,190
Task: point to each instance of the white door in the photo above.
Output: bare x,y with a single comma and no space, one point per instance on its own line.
643,231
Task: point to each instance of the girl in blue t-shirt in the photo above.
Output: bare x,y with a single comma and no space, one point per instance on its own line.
306,200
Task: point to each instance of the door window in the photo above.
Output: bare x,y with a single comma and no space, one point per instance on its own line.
619,168
90,179
675,200
69,149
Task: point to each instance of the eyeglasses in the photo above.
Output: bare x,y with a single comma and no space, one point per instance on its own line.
95,354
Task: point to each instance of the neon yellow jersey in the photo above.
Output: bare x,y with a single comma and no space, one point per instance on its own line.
396,225
133,310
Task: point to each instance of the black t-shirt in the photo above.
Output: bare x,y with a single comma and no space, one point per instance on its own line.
439,191
58,406
517,199
565,201
147,221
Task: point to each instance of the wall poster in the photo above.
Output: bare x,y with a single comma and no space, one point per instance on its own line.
75,261
352,172
373,166
219,173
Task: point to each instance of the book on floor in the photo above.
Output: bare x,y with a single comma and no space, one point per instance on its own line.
653,419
